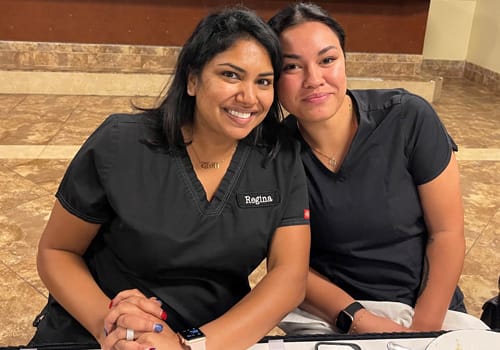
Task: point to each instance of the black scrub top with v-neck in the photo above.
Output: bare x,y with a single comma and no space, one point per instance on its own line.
368,233
159,232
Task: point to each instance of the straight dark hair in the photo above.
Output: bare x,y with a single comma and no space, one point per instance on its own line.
302,12
214,34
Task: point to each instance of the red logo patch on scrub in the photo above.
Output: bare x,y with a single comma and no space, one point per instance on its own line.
306,214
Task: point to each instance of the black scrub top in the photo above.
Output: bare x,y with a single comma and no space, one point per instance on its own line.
368,234
160,234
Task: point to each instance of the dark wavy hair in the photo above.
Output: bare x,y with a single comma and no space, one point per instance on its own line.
302,12
214,34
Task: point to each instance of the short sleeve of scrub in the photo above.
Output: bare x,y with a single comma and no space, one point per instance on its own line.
429,146
81,191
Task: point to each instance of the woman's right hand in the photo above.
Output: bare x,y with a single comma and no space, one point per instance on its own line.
133,310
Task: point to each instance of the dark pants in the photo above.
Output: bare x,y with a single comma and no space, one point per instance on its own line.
457,301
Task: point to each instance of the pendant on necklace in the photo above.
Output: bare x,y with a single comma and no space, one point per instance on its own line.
332,162
210,165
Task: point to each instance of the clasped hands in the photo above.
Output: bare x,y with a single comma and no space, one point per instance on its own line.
135,322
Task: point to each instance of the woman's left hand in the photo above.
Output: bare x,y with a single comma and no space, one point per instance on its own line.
166,339
131,310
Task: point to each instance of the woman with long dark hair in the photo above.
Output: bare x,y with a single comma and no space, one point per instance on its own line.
163,214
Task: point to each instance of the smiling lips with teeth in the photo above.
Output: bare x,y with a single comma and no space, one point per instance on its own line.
243,115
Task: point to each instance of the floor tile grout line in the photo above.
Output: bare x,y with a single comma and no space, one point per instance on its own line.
38,151
481,233
24,280
73,110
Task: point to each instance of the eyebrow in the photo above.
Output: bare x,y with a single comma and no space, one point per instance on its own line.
241,70
320,52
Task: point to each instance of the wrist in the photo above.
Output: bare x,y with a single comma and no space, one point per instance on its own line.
357,322
346,317
192,339
99,333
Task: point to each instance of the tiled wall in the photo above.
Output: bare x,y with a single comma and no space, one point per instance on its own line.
94,58
31,56
444,68
485,77
100,58
458,69
386,65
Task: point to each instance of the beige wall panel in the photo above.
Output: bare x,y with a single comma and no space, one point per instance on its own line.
449,26
484,46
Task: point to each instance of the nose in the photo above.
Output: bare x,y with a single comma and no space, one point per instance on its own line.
247,94
313,77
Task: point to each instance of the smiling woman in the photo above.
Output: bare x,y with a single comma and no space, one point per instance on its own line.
233,94
167,211
388,223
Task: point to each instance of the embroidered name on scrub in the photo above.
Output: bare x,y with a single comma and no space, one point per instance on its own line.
255,200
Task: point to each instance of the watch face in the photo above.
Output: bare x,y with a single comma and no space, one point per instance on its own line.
346,316
344,321
192,333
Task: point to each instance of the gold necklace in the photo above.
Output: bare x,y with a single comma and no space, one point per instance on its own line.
332,161
211,164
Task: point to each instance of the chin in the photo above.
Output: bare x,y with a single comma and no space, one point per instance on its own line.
316,115
241,134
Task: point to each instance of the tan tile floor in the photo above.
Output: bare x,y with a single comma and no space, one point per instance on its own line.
40,133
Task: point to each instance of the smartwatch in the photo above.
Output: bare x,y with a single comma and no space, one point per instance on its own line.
193,338
346,317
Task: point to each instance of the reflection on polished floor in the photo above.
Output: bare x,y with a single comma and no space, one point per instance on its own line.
40,133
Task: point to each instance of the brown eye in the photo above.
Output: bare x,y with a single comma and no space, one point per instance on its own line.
230,75
265,82
290,66
328,60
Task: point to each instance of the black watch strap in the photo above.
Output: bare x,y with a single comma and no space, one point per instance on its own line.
346,317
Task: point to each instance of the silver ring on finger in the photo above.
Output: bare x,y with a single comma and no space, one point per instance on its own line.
130,334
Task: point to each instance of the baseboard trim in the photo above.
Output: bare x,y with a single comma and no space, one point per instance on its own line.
80,83
152,85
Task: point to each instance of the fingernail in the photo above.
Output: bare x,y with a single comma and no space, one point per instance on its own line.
163,315
110,304
157,328
157,300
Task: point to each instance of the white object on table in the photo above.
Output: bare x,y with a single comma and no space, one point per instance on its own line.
300,322
365,344
466,340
